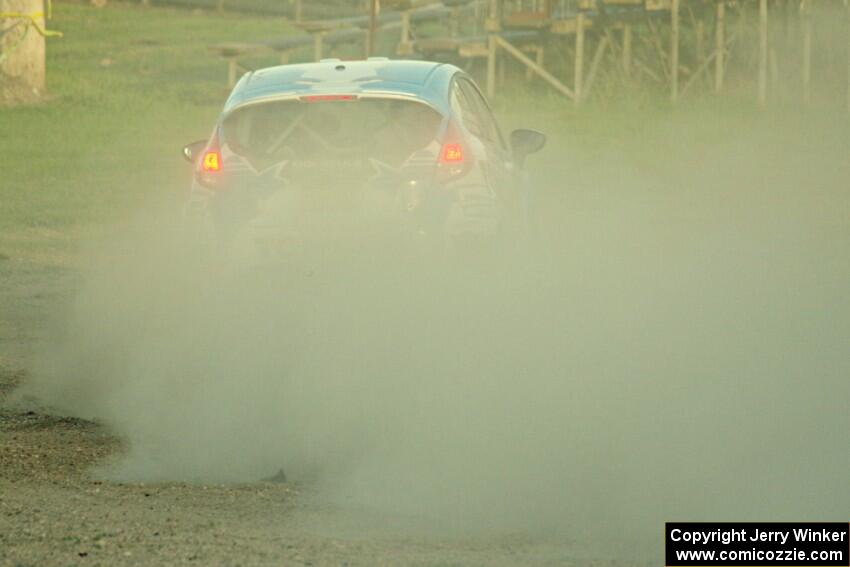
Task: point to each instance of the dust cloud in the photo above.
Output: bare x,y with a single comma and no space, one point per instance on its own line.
672,345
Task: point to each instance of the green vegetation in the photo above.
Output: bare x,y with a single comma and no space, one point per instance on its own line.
326,8
130,85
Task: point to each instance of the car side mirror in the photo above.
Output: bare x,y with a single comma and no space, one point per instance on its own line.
525,142
193,150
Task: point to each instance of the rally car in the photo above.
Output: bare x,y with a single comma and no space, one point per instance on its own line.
319,150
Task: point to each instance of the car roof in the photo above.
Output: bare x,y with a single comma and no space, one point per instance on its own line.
423,80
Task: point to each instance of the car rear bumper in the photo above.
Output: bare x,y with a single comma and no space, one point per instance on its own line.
277,226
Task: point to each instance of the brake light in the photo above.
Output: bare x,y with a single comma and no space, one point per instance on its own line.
452,153
209,168
211,161
453,162
328,98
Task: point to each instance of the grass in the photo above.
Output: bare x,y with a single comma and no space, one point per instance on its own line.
129,86
326,8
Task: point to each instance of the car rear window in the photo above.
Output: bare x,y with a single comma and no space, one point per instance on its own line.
388,130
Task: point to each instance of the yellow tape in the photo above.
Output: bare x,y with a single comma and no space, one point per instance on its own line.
33,18
34,21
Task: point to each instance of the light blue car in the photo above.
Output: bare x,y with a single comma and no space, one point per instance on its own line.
313,151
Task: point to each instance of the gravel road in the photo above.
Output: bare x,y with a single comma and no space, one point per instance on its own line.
55,510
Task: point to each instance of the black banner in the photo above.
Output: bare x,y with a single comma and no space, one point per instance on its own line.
742,544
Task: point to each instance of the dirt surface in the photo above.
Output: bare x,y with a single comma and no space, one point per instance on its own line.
55,510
